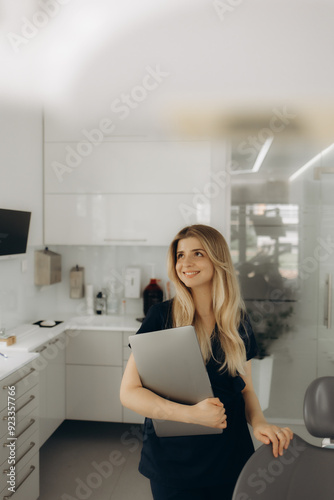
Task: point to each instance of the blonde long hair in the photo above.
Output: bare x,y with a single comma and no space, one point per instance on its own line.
226,298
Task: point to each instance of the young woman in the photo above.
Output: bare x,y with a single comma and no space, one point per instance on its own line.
208,297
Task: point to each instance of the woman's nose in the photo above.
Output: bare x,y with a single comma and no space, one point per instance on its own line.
187,260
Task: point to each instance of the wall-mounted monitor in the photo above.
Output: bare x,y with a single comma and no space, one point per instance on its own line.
14,230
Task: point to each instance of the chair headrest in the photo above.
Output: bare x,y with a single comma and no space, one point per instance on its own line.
319,408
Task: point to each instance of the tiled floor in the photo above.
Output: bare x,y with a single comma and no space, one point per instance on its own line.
92,460
99,461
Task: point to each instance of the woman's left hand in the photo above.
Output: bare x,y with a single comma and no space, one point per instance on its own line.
278,436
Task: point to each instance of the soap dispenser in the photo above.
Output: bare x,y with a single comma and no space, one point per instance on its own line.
101,303
153,294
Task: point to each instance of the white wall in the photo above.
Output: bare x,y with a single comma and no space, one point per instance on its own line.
21,188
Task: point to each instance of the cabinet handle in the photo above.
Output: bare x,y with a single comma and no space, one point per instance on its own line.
328,319
32,421
19,409
125,239
42,349
31,470
54,342
19,380
32,444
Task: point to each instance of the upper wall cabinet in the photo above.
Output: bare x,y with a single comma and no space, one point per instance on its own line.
118,192
120,219
126,167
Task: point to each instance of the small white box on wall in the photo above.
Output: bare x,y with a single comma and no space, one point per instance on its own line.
132,283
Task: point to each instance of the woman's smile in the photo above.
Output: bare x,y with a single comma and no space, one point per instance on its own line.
193,266
191,273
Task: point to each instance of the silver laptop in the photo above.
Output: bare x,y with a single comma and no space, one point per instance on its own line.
170,363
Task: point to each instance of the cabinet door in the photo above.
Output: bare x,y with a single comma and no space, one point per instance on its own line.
52,386
89,347
92,393
55,397
121,219
127,167
129,416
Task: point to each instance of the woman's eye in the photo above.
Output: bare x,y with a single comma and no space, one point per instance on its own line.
179,256
199,254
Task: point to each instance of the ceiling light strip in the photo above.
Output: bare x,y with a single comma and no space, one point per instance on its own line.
307,165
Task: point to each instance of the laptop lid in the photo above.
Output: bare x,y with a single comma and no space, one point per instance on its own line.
170,363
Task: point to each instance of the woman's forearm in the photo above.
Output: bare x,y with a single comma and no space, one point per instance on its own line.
133,395
254,414
149,404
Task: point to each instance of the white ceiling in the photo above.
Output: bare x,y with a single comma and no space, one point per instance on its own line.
227,70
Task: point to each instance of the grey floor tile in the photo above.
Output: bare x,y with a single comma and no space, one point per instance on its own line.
92,460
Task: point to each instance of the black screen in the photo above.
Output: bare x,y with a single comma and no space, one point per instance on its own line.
14,229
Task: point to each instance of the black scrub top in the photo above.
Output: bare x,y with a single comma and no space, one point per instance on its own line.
195,461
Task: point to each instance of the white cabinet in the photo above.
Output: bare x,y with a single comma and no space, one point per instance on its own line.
129,416
51,365
127,167
120,219
93,393
93,375
25,448
125,193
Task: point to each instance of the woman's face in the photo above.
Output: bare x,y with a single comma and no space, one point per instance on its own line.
193,266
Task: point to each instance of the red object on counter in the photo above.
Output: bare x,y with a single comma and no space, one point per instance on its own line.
153,294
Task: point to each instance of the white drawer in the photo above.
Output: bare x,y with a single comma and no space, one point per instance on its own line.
23,454
3,422
24,405
126,336
26,482
24,379
88,347
24,429
126,348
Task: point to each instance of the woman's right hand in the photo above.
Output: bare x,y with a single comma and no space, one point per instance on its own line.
209,412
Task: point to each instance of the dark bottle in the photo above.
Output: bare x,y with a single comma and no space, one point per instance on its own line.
153,294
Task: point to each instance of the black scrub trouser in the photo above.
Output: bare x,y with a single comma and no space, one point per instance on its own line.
162,492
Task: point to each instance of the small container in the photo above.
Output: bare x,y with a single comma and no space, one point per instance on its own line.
101,303
153,294
77,286
112,298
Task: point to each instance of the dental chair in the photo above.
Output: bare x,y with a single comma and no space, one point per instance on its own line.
304,472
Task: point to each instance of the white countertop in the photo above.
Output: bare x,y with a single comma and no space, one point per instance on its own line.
14,361
29,336
124,323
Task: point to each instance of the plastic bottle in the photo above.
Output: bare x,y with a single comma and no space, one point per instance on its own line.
113,300
153,294
101,303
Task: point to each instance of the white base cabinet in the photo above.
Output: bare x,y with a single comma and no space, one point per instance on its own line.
51,365
93,393
129,416
95,363
93,375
